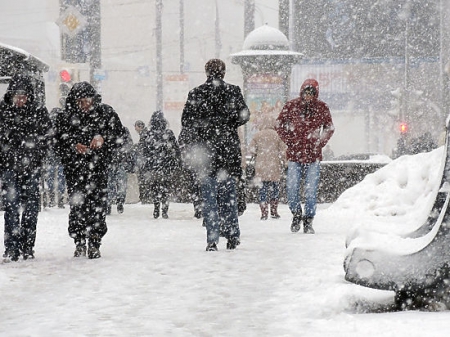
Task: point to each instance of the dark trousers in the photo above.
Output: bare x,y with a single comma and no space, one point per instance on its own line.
144,189
193,188
159,187
117,184
88,193
220,207
20,194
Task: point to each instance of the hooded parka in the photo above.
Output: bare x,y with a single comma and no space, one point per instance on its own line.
163,157
75,126
87,173
161,147
25,133
305,127
25,137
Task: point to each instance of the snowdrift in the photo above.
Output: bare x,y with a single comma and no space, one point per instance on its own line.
410,261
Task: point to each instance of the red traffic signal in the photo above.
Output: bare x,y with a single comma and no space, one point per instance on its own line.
403,128
65,75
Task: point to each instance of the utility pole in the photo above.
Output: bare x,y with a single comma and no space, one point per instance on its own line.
95,60
284,16
406,93
249,16
444,10
181,36
159,79
218,39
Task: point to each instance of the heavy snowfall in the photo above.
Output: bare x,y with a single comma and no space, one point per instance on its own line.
154,277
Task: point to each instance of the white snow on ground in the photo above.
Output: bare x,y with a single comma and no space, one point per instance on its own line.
155,278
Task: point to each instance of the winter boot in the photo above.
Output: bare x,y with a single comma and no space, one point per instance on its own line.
120,208
197,214
233,243
51,202
11,255
274,209
94,249
307,226
296,222
156,210
80,249
197,210
165,209
28,253
60,200
264,210
211,247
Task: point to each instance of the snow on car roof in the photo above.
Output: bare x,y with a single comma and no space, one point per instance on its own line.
31,60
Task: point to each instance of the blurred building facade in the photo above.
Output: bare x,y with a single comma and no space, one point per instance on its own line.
379,63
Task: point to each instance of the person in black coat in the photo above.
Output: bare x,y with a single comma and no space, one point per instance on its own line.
138,152
121,164
163,160
54,172
25,136
86,137
211,147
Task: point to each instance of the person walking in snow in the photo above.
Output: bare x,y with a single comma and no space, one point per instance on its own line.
163,160
210,120
122,163
305,126
54,172
268,153
86,137
25,137
191,183
138,150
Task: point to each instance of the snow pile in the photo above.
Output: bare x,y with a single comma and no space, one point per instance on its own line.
395,199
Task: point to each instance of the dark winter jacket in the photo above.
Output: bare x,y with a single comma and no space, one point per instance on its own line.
124,155
305,128
25,133
138,151
75,126
51,158
161,149
209,136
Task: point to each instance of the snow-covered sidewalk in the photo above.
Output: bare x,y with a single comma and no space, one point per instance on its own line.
155,279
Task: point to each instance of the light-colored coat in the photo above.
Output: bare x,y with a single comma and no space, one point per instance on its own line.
270,153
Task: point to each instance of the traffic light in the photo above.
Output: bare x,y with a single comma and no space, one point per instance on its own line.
403,128
65,84
65,75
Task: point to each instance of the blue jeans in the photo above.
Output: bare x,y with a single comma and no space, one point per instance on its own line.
295,173
269,191
220,207
20,194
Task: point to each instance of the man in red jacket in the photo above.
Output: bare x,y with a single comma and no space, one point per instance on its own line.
305,126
